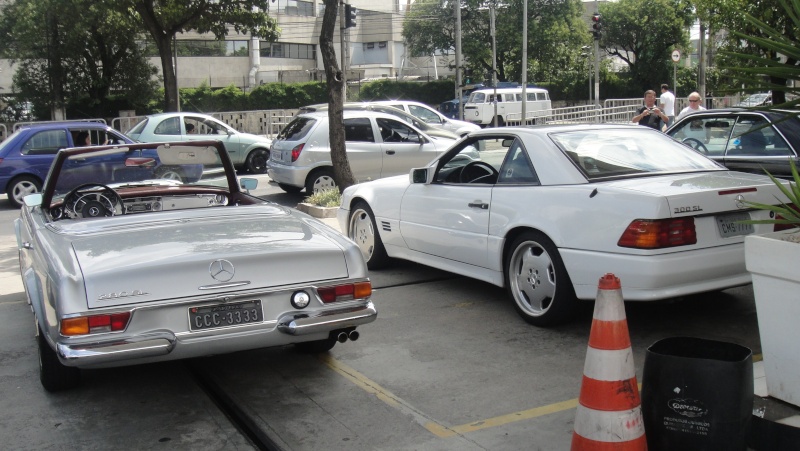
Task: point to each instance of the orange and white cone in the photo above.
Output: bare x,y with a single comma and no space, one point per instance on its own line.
609,415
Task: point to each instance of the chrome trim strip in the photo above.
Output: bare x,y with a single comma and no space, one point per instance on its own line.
223,285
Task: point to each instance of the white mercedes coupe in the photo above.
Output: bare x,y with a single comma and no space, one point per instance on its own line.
546,211
150,252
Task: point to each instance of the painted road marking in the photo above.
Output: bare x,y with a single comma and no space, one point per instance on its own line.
437,428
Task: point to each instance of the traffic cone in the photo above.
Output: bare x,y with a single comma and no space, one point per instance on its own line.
609,414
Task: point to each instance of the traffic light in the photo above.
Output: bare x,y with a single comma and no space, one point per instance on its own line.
467,76
349,16
597,26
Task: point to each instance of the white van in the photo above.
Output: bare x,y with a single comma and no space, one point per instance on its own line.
479,109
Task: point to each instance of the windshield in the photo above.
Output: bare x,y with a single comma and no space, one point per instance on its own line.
615,152
121,168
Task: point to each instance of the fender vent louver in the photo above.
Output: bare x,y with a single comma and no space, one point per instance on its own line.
386,226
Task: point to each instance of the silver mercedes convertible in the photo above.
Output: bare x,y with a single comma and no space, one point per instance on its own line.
150,252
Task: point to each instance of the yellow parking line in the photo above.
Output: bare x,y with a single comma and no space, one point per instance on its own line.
386,396
437,428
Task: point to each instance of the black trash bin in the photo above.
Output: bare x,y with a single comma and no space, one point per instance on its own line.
697,394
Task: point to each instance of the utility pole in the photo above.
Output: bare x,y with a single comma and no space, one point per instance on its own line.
494,60
457,12
597,57
701,65
524,62
342,54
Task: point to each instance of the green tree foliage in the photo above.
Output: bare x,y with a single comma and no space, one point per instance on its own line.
749,20
768,58
432,93
74,52
163,19
556,32
643,34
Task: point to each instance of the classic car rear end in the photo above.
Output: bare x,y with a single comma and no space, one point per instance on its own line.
135,269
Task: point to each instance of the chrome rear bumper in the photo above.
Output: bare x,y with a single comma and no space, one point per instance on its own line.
338,319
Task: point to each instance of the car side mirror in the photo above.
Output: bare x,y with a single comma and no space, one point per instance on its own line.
248,183
422,175
33,200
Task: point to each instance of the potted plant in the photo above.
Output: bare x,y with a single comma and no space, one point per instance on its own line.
322,204
773,259
766,55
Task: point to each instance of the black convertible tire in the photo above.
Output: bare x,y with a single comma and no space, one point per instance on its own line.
316,347
537,281
20,187
54,375
362,229
256,161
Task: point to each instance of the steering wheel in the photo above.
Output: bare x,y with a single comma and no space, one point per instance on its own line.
464,176
696,144
93,200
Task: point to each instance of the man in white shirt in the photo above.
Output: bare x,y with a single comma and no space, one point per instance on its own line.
694,105
667,102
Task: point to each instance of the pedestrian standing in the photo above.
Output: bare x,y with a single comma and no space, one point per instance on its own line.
694,105
667,103
650,115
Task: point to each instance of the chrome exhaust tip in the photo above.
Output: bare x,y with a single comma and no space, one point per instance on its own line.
353,335
342,337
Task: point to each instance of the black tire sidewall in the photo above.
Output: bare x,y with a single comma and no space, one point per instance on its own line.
564,304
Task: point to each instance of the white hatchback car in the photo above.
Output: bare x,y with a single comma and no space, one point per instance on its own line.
431,116
378,145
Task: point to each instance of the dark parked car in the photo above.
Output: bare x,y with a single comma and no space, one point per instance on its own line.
743,140
26,155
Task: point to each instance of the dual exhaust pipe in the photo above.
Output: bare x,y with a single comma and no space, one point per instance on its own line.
343,336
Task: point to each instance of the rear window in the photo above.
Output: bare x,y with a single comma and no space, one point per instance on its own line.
603,153
297,129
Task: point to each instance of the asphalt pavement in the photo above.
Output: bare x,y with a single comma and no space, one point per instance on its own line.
448,365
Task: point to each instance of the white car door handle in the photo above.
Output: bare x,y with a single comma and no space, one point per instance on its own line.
390,152
478,204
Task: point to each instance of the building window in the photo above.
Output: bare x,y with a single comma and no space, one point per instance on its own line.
296,7
287,50
382,44
197,47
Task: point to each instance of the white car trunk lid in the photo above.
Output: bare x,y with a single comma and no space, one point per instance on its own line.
705,193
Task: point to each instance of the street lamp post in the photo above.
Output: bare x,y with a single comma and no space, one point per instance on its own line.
587,54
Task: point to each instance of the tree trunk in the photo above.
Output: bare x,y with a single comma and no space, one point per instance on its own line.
164,44
55,70
163,39
335,80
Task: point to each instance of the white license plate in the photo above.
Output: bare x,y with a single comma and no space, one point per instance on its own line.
729,225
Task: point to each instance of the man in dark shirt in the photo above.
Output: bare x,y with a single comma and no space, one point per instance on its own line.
650,115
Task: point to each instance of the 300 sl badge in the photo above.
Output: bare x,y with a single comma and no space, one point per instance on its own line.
121,294
688,209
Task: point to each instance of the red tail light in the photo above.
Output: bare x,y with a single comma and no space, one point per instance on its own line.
345,292
657,234
780,227
296,152
84,325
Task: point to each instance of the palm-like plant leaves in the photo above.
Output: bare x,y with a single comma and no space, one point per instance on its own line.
787,212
